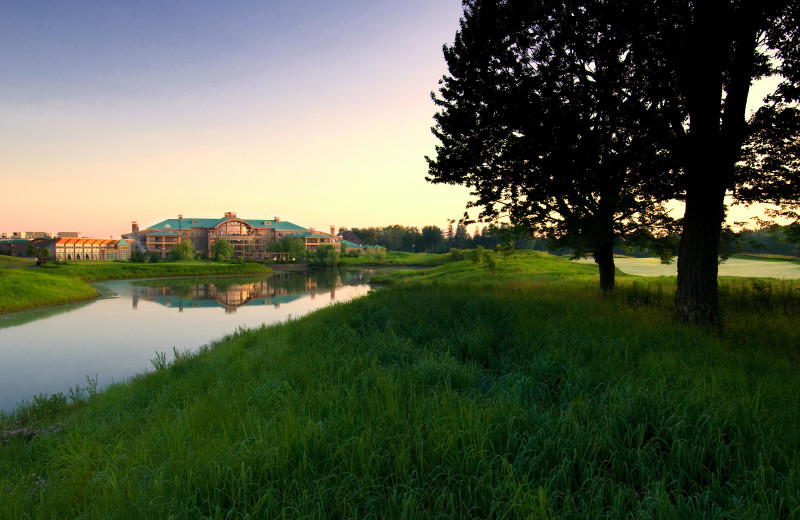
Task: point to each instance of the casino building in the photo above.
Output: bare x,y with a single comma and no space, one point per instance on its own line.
250,238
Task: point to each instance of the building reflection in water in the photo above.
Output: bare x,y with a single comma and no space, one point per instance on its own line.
223,292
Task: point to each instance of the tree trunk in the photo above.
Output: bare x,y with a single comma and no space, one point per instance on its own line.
604,257
716,133
696,299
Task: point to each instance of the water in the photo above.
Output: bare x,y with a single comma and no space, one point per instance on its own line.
112,338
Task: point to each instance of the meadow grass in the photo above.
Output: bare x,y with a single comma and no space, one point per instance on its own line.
397,258
53,284
455,393
13,261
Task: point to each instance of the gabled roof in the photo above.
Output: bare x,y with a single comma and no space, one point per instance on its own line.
188,223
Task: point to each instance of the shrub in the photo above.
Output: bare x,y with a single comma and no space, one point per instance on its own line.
456,255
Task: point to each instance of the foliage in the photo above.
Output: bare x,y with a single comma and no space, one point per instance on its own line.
222,250
183,250
154,257
138,257
456,255
31,250
544,117
710,72
45,253
296,248
326,255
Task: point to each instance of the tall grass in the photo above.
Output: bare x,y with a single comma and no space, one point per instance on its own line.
456,394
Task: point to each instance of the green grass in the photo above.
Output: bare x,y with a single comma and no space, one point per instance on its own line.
397,258
767,258
26,288
53,284
13,261
455,393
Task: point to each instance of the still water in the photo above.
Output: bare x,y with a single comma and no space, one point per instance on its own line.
114,337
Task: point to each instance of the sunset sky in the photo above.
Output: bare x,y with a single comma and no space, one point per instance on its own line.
317,112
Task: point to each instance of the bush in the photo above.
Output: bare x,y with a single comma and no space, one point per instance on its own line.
456,255
326,255
154,257
138,257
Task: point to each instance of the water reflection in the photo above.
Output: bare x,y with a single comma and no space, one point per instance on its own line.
233,293
115,337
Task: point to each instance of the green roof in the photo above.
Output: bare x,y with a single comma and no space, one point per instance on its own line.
188,223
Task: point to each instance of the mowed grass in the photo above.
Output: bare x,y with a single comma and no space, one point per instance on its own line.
456,393
53,284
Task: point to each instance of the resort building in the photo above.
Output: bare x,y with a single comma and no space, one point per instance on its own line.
92,249
250,238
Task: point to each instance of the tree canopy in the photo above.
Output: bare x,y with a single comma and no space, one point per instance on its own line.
222,250
579,118
183,250
545,117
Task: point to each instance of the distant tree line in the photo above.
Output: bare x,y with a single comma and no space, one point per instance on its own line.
433,239
775,240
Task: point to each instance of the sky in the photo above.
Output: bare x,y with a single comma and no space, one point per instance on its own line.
313,111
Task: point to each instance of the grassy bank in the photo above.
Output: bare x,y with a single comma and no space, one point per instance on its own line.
397,258
456,393
53,284
13,261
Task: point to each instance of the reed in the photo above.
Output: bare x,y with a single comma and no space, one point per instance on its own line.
452,394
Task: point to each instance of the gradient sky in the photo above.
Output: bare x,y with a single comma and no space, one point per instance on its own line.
317,112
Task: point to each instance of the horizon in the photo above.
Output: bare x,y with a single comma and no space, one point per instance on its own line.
317,113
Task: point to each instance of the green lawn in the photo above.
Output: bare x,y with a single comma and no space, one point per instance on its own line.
454,393
767,258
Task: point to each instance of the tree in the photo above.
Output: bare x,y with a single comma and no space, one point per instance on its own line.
714,50
222,250
295,247
433,239
31,250
326,255
137,256
46,254
545,117
182,251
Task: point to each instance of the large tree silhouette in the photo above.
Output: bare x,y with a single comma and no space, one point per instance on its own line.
545,117
716,48
580,117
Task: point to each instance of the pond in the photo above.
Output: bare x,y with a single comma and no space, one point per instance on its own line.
112,338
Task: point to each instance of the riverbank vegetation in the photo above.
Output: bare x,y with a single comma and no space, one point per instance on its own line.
61,282
396,258
458,392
